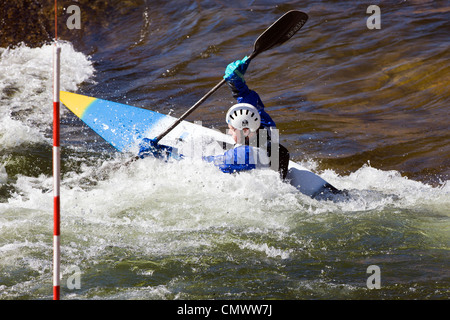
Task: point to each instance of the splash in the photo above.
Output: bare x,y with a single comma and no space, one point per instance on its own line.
26,90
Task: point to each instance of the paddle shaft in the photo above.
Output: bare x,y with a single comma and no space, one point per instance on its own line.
196,105
187,113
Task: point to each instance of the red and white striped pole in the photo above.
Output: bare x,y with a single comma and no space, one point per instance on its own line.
56,164
56,174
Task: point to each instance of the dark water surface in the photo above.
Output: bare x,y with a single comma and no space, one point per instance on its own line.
368,109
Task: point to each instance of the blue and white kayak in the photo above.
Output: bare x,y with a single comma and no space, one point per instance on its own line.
125,126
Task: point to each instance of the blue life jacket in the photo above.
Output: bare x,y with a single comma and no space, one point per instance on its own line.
240,158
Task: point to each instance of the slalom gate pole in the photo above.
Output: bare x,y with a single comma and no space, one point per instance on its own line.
56,165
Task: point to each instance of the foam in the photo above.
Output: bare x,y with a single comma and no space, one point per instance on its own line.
158,208
26,76
161,210
3,175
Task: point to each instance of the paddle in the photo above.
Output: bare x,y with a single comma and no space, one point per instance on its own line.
279,32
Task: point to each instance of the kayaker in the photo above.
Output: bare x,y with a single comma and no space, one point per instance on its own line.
244,122
248,123
256,135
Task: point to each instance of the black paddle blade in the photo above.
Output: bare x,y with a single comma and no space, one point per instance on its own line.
280,31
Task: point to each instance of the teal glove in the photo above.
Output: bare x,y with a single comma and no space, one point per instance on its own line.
236,70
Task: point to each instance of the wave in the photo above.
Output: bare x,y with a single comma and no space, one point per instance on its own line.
26,90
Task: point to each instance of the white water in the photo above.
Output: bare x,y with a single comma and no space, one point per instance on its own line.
26,81
152,208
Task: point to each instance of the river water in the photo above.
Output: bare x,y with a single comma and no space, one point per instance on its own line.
368,109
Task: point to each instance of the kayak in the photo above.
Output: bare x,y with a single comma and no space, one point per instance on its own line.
124,127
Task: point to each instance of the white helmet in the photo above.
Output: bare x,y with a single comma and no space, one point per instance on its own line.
242,116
